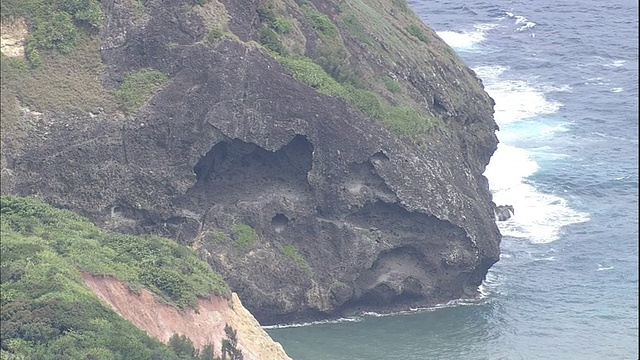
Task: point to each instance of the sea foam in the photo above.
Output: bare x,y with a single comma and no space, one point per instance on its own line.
466,40
515,99
538,217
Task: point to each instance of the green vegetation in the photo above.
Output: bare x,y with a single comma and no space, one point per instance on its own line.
403,121
244,237
184,348
282,26
355,28
47,310
273,25
270,39
171,271
213,35
391,85
415,31
319,21
138,87
230,345
52,86
54,25
219,236
268,17
290,252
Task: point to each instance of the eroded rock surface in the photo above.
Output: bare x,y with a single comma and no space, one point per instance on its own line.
349,216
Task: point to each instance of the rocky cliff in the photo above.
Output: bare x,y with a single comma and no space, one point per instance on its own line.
326,157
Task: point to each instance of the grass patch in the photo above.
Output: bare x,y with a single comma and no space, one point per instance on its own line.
403,121
138,87
417,32
244,237
402,5
269,17
282,26
221,237
291,253
69,83
391,85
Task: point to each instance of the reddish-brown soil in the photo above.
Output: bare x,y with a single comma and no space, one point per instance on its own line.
204,326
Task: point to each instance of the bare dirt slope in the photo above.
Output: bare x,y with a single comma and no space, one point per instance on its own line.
202,327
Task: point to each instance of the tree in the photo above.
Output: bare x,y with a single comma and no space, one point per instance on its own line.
229,345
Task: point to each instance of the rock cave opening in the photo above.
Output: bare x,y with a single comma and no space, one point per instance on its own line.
279,222
235,170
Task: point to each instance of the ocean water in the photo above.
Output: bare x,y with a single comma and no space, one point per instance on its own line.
564,75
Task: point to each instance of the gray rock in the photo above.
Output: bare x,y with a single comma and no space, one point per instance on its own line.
349,216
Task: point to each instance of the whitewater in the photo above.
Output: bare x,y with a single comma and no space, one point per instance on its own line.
564,76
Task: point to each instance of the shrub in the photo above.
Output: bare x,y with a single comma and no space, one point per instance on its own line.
319,21
213,35
55,25
290,252
271,41
281,26
245,237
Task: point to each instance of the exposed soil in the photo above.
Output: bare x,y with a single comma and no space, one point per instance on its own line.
204,326
12,37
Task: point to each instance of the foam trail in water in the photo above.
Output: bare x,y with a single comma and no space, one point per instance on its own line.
320,322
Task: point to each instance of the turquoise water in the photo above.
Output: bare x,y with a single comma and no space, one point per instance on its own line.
564,76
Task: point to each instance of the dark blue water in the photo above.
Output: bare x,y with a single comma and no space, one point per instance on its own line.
564,75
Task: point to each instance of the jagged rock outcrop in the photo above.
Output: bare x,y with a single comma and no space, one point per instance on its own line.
307,206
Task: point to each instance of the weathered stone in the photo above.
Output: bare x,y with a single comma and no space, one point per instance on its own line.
348,215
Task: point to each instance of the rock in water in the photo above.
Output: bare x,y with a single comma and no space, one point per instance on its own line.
504,212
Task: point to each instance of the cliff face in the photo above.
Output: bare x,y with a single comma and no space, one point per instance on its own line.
204,326
307,202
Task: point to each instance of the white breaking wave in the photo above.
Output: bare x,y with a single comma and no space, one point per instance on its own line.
615,63
538,217
602,268
523,22
466,40
515,99
617,90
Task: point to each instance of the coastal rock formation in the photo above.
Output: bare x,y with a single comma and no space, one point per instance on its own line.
334,168
504,212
